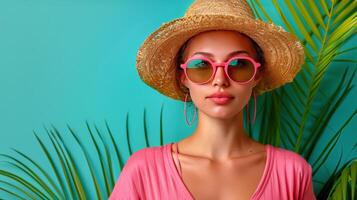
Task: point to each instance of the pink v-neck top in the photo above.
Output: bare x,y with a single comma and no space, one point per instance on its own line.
150,173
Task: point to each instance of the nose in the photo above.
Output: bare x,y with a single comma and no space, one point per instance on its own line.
220,78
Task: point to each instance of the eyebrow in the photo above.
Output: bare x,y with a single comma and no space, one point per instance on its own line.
229,55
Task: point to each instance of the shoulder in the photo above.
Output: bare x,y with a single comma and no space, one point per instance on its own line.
295,172
143,157
291,161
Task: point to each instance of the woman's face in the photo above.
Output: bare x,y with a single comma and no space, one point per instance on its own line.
220,44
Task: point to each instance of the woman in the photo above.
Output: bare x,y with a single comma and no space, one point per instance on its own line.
218,57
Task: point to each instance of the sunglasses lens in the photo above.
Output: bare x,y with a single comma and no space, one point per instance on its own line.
199,70
241,69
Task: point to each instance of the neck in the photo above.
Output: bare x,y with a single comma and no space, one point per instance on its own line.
220,139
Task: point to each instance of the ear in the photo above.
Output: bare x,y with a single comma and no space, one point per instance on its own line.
183,79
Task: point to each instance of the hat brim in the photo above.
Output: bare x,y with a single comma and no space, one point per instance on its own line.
155,61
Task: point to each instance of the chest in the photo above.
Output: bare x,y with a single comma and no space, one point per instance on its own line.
237,179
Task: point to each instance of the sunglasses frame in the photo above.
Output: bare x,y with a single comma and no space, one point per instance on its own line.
225,64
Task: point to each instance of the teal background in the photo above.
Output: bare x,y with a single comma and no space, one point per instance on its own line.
74,60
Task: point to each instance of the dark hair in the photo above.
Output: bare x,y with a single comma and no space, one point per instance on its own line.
179,60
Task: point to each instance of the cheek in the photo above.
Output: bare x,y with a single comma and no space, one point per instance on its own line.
198,93
242,95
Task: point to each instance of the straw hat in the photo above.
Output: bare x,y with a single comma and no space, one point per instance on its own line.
156,58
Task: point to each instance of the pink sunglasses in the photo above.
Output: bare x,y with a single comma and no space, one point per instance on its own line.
200,69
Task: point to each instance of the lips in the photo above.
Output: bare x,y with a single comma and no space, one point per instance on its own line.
221,98
220,95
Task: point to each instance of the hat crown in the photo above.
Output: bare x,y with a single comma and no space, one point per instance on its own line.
239,8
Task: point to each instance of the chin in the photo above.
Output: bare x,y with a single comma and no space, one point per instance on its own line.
222,113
